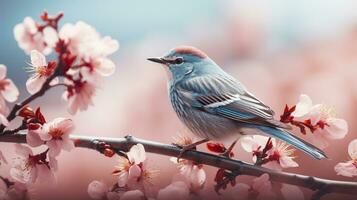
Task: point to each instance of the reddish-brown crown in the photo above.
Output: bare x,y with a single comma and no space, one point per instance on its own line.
190,50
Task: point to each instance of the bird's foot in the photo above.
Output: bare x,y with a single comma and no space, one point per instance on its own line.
228,152
189,147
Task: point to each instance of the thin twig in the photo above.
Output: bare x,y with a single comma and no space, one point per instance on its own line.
124,144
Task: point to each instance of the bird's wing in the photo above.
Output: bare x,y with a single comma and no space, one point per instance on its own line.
224,96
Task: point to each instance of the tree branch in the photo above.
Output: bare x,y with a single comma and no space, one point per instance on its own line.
321,186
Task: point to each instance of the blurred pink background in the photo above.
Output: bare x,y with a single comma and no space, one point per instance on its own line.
318,58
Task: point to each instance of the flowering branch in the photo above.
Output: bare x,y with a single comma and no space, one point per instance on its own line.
321,186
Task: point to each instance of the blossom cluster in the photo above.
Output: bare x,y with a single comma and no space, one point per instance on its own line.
82,62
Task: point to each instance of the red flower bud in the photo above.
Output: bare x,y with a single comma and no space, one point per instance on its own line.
33,126
108,152
216,147
41,119
26,112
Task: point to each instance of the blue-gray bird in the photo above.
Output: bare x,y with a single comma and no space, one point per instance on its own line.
214,105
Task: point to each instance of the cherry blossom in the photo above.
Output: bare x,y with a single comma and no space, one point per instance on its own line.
175,191
97,190
263,186
320,115
55,134
12,190
193,173
133,169
349,168
27,168
79,96
133,195
291,192
29,37
278,156
86,43
41,71
8,89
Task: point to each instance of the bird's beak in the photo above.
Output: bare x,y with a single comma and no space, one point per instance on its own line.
157,60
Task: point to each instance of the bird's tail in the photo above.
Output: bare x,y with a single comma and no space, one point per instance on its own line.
287,137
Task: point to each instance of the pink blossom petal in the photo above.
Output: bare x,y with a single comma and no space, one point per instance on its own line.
109,46
134,172
55,81
137,154
3,189
133,195
352,149
64,124
33,139
45,174
105,67
18,191
286,161
43,133
291,192
241,191
38,59
174,191
68,145
274,165
113,195
197,178
336,129
97,190
303,106
346,169
22,150
34,83
53,163
3,120
123,179
248,144
54,148
11,93
50,36
3,71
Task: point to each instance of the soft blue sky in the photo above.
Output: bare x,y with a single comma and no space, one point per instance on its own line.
127,21
132,21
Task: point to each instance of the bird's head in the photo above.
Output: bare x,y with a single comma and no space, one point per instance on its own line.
184,61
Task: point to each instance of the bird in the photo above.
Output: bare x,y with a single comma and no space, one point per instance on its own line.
214,105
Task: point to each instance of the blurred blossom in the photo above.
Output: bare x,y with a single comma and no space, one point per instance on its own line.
97,190
349,168
8,92
80,97
15,191
30,38
133,195
27,167
175,191
291,192
263,186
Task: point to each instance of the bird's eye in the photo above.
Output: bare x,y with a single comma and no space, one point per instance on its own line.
178,60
